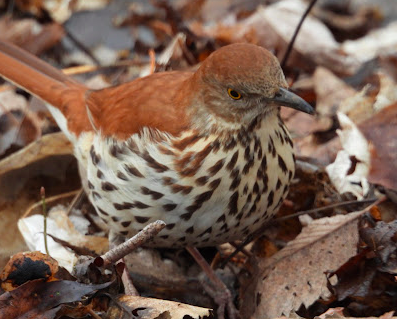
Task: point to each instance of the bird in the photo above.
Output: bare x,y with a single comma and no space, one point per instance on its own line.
205,151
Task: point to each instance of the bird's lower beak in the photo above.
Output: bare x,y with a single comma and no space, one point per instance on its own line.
289,99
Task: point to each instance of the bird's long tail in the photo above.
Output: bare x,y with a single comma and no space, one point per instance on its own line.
49,84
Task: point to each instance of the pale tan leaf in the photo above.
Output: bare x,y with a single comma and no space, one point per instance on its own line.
47,145
149,308
296,276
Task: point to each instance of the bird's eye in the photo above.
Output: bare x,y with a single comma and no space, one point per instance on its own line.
234,94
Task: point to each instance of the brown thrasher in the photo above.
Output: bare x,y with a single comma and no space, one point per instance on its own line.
204,151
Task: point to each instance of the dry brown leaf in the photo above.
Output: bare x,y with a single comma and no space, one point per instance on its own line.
381,132
378,41
19,125
150,308
350,169
330,91
296,274
48,145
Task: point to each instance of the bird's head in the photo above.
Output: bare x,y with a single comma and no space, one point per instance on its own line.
240,82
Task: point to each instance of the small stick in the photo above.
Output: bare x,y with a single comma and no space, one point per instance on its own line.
81,47
315,210
291,43
253,236
131,244
44,206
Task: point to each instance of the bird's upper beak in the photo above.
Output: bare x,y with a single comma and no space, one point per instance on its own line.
287,98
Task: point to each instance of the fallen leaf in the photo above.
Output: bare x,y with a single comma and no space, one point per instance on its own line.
322,246
381,133
350,169
155,308
47,145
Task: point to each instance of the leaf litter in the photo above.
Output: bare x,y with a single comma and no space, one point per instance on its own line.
339,262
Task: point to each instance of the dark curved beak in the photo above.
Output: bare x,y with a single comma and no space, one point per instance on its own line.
289,99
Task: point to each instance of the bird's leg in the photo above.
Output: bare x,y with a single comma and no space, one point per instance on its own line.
221,293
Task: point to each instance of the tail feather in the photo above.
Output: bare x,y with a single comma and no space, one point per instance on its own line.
49,84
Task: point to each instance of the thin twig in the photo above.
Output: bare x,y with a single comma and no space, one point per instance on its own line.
291,43
44,206
316,210
131,244
81,47
255,234
76,199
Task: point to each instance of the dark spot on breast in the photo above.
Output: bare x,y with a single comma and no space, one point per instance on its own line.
140,205
169,207
90,185
108,187
270,199
289,141
265,183
155,195
215,183
282,165
216,167
264,163
189,164
99,174
235,183
278,185
245,191
252,210
94,157
96,195
233,161
201,181
182,239
122,176
141,219
101,211
187,216
124,232
170,226
259,174
271,147
260,152
164,236
180,188
207,231
255,190
168,181
159,168
116,151
126,223
132,170
230,143
290,175
124,205
248,165
132,146
247,153
258,198
249,197
221,219
190,230
215,146
239,216
115,219
233,204
185,142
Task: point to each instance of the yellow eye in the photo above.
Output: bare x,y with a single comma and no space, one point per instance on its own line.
234,94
